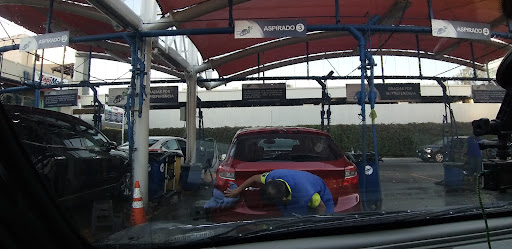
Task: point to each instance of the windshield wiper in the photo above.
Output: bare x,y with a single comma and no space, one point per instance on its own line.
300,223
287,224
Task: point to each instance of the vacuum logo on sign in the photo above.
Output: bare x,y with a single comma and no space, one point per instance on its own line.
245,31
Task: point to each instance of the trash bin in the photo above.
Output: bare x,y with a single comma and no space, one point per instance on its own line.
191,176
453,175
156,176
369,185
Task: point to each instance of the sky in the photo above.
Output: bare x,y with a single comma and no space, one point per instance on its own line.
394,65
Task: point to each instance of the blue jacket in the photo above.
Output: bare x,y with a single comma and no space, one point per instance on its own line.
303,186
473,149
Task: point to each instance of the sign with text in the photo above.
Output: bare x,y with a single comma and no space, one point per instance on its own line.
264,92
61,98
48,79
269,28
455,29
387,92
487,94
164,95
158,96
114,114
51,40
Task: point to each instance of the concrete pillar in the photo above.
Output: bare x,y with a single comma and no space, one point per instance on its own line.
141,128
81,68
191,117
141,131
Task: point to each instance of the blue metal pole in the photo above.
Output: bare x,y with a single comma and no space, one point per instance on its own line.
372,98
131,96
230,3
337,6
372,28
419,55
9,48
430,10
307,58
37,92
473,59
142,87
210,31
362,97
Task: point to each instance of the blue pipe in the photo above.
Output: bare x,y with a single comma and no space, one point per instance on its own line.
15,89
337,6
142,87
131,97
101,37
430,10
229,30
211,31
366,27
362,57
9,48
372,98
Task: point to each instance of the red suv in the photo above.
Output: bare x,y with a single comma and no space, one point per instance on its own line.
258,150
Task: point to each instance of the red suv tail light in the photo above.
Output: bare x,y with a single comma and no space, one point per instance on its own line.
351,181
224,177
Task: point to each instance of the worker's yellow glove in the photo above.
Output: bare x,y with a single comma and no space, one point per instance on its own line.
373,115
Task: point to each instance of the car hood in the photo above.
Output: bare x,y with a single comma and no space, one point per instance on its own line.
432,146
163,234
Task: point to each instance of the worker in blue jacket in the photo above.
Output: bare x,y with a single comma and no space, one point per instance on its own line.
294,192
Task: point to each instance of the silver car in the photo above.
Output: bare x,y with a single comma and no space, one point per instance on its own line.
162,144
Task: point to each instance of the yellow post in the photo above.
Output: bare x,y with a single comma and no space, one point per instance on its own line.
177,173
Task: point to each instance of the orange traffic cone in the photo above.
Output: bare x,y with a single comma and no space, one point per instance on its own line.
138,215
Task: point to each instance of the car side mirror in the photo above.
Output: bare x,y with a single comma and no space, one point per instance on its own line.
112,144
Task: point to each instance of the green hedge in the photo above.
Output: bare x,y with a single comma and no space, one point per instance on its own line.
393,140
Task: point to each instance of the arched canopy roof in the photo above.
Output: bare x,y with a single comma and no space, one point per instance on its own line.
230,56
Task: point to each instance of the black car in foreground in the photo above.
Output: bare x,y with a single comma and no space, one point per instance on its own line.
440,152
76,161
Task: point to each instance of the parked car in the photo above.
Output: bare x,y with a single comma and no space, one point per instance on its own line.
162,144
76,161
440,152
358,156
284,148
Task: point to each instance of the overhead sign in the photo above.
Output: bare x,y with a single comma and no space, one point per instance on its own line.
158,96
61,98
264,92
114,114
117,96
269,28
387,92
51,40
164,95
455,29
487,94
48,79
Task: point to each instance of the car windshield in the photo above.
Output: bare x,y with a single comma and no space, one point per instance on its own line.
53,131
210,123
286,147
152,141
